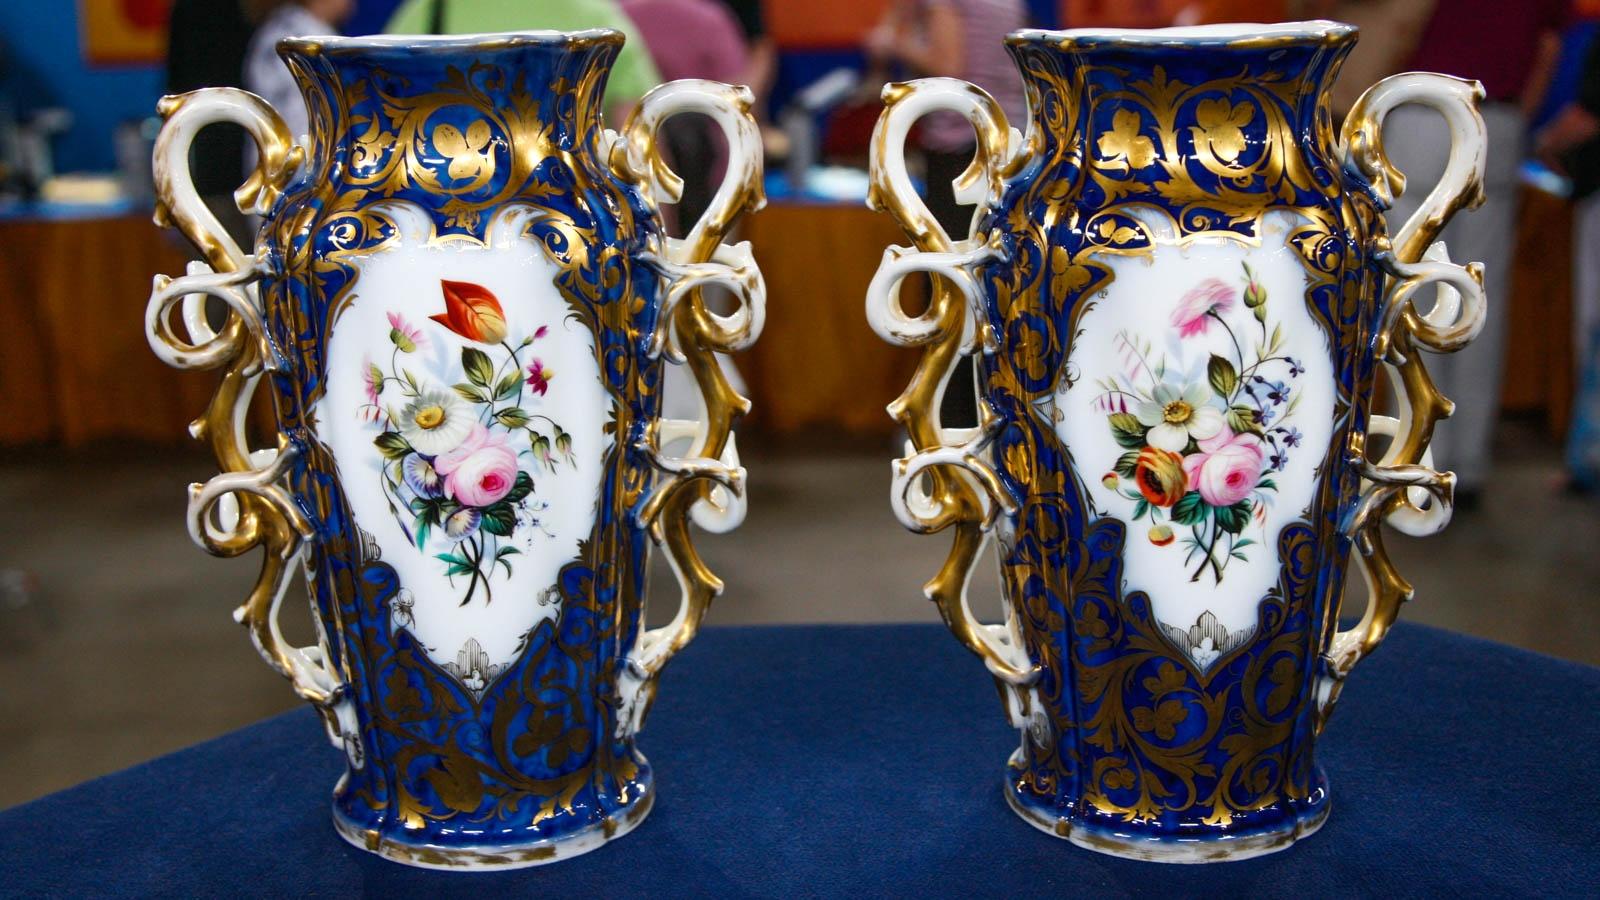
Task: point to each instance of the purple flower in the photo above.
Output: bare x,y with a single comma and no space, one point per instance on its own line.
1292,437
422,477
1295,368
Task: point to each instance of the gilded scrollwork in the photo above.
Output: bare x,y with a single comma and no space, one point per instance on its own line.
1136,732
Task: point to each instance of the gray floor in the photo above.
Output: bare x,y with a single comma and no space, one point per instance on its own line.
127,650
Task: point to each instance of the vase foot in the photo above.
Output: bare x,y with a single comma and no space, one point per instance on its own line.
484,857
1172,848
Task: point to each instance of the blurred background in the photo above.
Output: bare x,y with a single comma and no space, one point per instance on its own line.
116,642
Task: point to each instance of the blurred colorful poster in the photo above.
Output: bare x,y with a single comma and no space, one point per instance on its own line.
123,32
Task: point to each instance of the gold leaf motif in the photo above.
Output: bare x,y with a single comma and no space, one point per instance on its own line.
1163,720
1124,142
1221,124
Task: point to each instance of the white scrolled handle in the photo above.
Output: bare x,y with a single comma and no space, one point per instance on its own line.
1402,488
249,504
945,480
980,184
728,106
887,316
1459,187
733,268
705,483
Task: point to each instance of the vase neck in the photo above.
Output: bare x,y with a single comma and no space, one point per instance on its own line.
1205,87
355,86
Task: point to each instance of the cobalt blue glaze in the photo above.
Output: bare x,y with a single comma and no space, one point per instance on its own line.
1237,766
537,758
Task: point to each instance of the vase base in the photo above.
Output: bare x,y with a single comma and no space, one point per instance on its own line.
1178,850
485,857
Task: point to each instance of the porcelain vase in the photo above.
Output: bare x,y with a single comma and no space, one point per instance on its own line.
462,300
1182,299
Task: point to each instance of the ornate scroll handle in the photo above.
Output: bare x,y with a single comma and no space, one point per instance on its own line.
1401,488
945,479
706,482
248,505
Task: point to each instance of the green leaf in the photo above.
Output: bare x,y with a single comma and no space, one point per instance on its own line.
450,558
422,533
1127,464
1190,509
1126,429
376,374
509,386
474,394
512,417
400,340
1243,543
392,444
506,551
1140,508
411,381
476,364
522,488
1267,484
499,519
1232,519
1242,419
1222,376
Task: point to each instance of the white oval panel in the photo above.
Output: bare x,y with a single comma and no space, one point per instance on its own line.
1197,403
465,412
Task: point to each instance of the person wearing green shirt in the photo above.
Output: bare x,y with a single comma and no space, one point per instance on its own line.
631,75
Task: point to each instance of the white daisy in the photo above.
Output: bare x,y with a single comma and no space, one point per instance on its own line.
435,422
1176,415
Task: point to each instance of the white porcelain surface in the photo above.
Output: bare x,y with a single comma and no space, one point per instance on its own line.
1128,343
405,279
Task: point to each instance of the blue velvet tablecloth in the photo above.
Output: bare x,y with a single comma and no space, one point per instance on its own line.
850,761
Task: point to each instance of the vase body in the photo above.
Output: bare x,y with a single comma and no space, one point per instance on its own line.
1178,302
458,298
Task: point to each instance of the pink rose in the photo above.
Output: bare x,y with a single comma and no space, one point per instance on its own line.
1227,468
1194,309
480,470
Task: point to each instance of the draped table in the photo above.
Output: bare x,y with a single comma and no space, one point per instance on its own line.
866,761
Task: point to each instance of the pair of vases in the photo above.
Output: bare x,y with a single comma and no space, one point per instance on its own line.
1179,293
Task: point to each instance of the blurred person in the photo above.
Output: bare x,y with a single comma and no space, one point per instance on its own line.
692,39
761,52
1389,33
206,44
632,74
1512,50
1570,144
265,74
962,39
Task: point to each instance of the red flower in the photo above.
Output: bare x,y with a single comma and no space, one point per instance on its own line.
471,311
539,377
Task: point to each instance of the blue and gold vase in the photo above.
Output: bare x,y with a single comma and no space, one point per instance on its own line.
1180,292
462,300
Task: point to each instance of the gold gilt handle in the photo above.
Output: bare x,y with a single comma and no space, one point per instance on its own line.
705,482
248,505
1401,487
946,479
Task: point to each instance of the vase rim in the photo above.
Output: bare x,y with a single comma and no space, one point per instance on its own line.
311,45
1239,35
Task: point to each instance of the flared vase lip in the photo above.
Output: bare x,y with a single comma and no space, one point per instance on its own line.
1239,36
312,45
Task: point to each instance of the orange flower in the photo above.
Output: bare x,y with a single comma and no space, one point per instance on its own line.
1159,474
471,311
